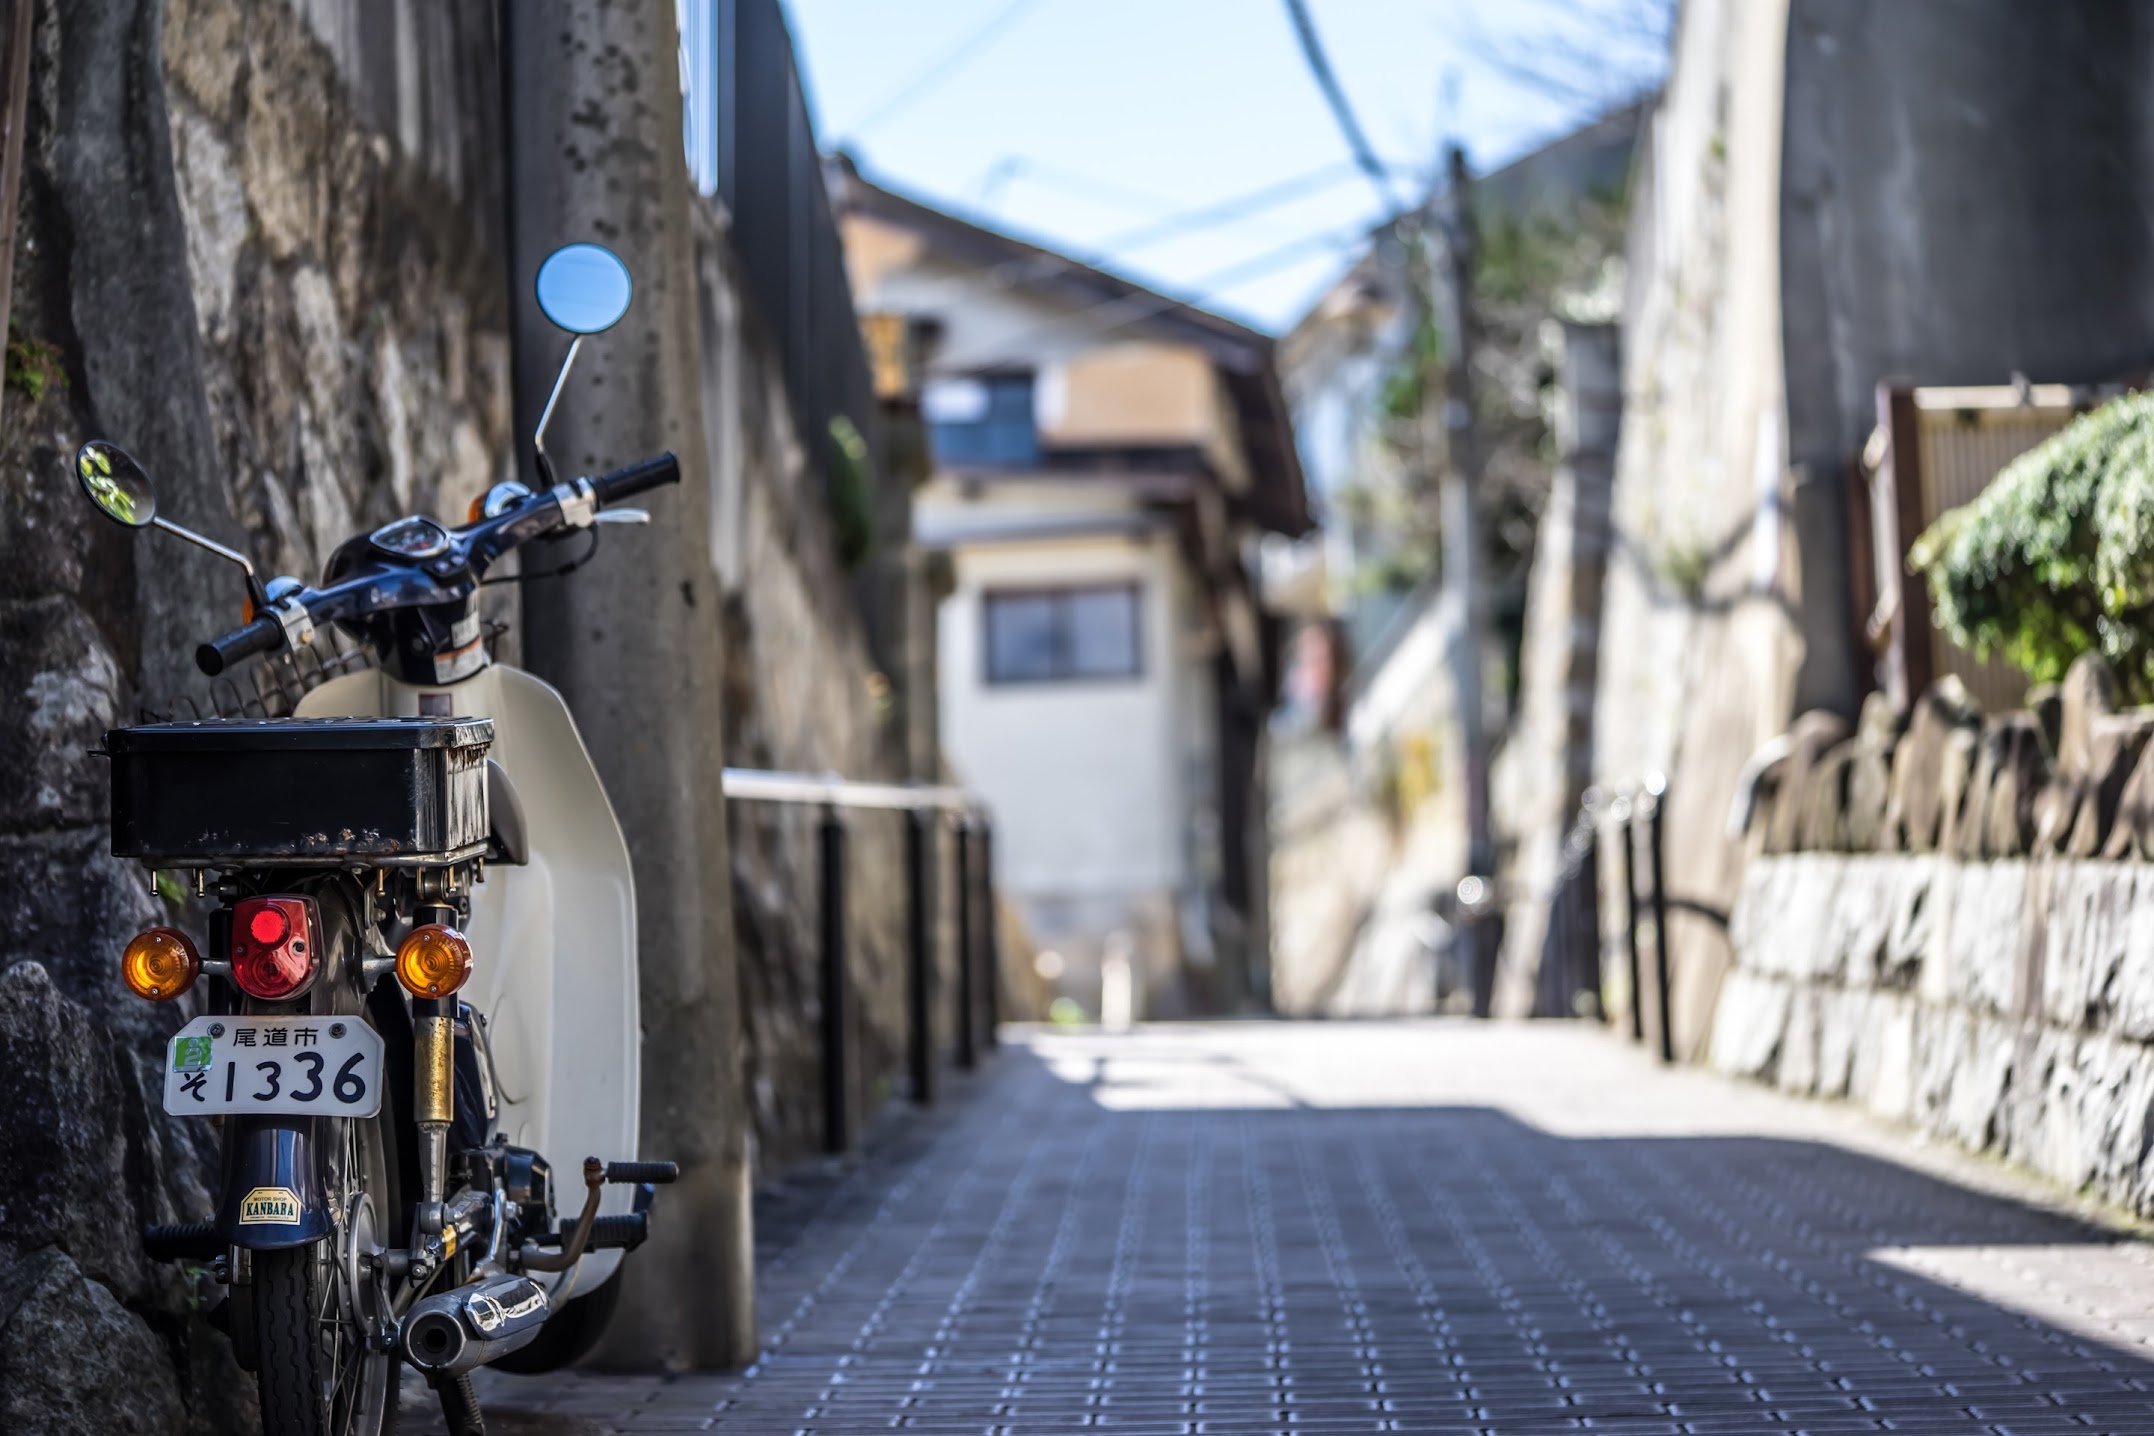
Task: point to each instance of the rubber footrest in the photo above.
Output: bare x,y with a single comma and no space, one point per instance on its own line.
182,1241
620,1233
658,1173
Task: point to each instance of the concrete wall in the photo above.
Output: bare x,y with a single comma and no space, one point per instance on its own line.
1699,585
1546,763
1835,194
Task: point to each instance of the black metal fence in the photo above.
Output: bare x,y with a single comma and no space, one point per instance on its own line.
976,1007
1571,957
750,143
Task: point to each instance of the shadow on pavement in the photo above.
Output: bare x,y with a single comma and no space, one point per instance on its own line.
1100,1243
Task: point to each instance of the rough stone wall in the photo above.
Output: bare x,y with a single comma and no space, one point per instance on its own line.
260,245
2005,1005
799,700
1951,920
351,294
294,325
802,694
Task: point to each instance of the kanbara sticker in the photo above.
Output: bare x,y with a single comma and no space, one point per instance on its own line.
270,1206
190,1054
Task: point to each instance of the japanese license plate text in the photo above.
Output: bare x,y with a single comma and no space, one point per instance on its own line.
301,1066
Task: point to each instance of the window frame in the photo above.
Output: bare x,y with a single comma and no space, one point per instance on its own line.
999,427
1059,594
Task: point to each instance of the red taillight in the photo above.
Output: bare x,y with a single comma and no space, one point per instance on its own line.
274,947
268,926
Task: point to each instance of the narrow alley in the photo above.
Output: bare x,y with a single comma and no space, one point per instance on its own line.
1026,716
1403,1226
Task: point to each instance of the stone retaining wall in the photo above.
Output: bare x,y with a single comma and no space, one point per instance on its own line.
264,252
2008,1006
1950,920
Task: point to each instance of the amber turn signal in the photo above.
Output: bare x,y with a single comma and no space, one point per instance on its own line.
160,964
433,961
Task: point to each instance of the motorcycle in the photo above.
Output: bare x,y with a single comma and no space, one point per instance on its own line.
420,982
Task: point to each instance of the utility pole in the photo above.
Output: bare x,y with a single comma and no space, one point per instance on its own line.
1465,583
593,105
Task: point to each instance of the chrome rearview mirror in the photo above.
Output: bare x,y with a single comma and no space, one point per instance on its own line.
584,288
121,489
116,484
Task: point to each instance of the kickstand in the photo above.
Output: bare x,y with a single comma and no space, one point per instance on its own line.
459,1404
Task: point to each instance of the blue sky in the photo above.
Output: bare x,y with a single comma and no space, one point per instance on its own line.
1082,122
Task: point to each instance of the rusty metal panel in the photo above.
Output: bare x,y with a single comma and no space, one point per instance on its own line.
1937,448
1897,517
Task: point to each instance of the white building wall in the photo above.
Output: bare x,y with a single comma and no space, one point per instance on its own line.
1086,779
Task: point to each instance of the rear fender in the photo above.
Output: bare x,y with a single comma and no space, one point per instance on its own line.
274,1192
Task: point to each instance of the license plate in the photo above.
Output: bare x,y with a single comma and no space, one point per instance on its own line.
278,1066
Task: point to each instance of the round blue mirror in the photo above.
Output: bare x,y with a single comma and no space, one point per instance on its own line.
584,288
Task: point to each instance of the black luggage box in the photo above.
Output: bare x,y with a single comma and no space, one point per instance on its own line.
300,790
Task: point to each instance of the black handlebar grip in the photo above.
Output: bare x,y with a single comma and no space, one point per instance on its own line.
658,1172
637,478
263,635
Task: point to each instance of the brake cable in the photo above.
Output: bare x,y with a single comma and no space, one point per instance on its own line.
590,550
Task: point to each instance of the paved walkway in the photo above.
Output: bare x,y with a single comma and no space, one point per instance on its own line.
1411,1226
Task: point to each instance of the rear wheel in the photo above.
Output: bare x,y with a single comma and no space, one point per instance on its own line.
317,1371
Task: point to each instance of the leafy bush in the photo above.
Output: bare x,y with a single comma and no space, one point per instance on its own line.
2057,555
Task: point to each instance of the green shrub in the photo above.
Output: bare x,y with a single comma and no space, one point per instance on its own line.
2057,555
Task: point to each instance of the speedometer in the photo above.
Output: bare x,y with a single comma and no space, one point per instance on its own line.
411,538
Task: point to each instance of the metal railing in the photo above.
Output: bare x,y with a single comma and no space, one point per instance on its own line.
1571,959
978,957
750,142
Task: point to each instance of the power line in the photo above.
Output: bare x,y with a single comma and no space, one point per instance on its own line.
942,67
1125,310
1228,210
1312,50
1068,181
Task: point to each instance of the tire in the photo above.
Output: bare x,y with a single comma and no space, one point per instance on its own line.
313,1371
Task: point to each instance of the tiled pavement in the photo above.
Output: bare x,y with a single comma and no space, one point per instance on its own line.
1426,1226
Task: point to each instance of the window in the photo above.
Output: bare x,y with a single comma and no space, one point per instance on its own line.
1060,634
982,422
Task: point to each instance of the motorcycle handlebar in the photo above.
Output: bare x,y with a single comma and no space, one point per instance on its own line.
636,478
496,537
263,635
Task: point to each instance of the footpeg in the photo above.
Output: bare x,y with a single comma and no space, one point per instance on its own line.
620,1233
182,1241
657,1173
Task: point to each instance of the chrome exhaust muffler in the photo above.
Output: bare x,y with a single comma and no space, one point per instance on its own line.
461,1330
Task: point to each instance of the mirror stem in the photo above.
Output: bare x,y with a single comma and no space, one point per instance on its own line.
538,439
211,544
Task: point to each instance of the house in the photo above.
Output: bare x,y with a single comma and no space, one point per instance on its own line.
1104,463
